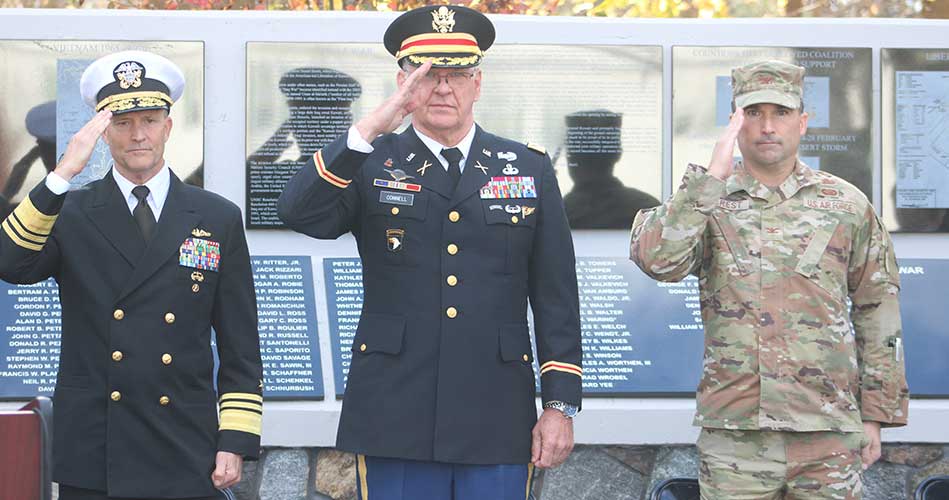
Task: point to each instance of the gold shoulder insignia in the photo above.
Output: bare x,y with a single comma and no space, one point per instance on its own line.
200,233
537,147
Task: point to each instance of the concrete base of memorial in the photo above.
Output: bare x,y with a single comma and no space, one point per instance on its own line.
601,472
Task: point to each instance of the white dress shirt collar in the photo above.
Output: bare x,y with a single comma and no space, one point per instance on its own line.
157,189
464,145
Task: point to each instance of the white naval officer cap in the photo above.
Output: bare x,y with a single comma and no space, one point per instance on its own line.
131,81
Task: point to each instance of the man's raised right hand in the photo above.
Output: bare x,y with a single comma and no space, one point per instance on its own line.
722,162
82,145
389,115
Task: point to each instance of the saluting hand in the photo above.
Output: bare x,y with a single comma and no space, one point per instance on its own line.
552,439
722,162
389,115
227,469
82,144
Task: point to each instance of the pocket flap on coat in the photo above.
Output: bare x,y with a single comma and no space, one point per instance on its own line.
379,333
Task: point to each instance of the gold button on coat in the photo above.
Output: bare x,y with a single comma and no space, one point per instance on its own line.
451,312
452,280
166,358
395,210
169,318
526,357
164,400
116,395
118,314
454,216
452,249
362,348
117,356
514,219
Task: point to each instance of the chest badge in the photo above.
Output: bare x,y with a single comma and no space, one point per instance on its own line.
409,157
510,170
397,174
394,238
424,167
200,233
509,155
482,168
486,153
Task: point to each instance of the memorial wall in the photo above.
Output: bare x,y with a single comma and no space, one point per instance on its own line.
620,115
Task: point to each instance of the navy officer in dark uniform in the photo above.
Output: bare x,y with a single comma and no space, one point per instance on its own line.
458,230
146,266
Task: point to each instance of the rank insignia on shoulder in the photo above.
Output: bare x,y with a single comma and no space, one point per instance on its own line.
200,254
404,186
200,233
509,187
394,238
536,147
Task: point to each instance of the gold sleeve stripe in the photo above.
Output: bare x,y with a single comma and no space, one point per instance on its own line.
439,36
32,219
244,421
530,479
241,405
561,367
27,244
250,396
326,174
363,482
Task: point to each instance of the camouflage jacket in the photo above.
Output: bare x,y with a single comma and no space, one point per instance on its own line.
775,270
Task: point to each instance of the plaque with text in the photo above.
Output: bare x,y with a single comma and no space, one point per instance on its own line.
639,337
837,98
915,116
42,109
645,338
30,318
287,325
602,126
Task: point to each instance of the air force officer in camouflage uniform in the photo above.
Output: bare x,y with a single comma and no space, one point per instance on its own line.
457,229
793,391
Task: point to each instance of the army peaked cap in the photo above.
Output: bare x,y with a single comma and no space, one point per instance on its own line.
449,36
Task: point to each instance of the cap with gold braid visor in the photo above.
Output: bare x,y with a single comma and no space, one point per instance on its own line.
131,81
448,36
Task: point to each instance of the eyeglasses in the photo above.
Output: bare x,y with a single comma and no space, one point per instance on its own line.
455,79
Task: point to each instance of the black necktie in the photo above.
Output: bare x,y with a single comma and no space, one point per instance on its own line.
143,214
453,155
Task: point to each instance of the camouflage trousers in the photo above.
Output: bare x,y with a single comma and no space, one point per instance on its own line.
758,465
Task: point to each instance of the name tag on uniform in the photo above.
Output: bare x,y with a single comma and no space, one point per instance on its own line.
726,204
200,254
403,186
509,187
830,205
396,198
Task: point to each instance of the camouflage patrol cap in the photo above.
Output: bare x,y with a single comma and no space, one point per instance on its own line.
772,82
